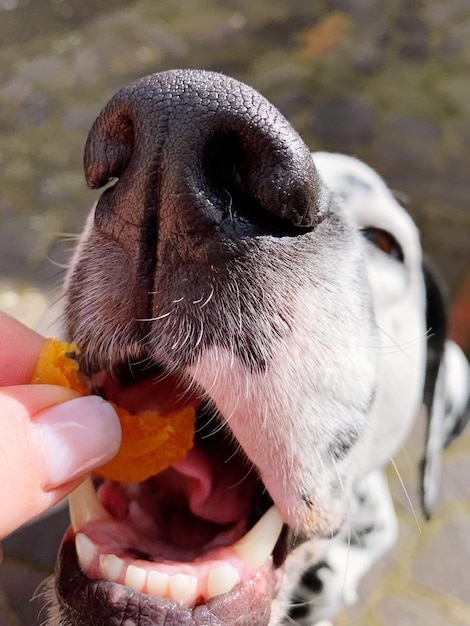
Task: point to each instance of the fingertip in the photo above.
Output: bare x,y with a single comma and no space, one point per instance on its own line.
74,438
51,439
20,347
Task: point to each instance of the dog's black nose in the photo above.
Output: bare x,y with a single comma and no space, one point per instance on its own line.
200,158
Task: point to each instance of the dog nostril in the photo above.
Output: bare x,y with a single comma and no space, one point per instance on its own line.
224,162
106,160
227,170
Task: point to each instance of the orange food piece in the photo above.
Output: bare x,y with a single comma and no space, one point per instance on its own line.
150,442
58,365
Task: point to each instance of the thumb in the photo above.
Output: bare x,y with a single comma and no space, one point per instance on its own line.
51,438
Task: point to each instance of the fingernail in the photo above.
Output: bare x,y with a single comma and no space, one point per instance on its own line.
76,437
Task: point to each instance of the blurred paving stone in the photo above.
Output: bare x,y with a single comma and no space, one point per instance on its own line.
42,70
455,480
37,543
34,111
20,582
345,120
34,308
7,617
37,309
78,119
440,567
415,44
28,305
402,611
412,128
360,9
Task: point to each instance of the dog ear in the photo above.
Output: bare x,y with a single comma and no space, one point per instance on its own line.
446,394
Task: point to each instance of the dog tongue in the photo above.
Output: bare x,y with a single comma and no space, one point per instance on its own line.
211,485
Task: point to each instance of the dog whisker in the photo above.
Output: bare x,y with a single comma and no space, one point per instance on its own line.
45,593
242,480
180,343
64,267
407,495
208,299
398,474
157,317
200,334
401,347
230,203
64,236
237,305
347,523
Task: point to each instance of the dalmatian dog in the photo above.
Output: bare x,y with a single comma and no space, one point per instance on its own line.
286,298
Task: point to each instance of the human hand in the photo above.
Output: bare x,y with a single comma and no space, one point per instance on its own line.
50,436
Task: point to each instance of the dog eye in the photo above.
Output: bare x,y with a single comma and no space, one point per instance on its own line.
384,241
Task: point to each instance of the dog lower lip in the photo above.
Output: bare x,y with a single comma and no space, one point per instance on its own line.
100,539
103,603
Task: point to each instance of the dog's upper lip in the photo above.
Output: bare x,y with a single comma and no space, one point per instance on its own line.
148,387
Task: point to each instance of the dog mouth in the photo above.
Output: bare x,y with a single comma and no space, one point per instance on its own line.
200,542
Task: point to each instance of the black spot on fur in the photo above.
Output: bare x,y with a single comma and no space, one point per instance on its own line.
298,609
342,443
310,578
357,538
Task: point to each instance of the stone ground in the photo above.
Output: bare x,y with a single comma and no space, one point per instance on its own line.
386,80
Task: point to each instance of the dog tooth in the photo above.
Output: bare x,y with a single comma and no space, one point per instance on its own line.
135,578
85,507
157,584
257,545
221,580
111,567
182,587
86,549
